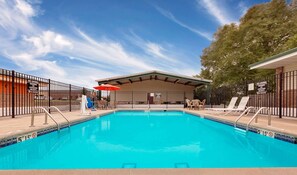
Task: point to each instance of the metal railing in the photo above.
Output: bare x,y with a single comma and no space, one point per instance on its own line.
21,93
244,113
255,117
45,119
58,110
278,92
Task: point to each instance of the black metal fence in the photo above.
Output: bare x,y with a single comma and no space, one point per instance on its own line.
277,92
20,93
220,96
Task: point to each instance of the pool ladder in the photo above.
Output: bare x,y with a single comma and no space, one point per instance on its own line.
48,114
59,111
255,117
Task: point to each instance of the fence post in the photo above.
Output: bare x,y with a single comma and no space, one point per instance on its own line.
167,100
12,95
185,98
49,95
280,94
132,99
70,97
208,94
84,91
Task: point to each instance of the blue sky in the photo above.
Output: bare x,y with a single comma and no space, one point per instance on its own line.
77,41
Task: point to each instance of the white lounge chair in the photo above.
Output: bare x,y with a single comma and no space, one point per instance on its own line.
241,107
230,106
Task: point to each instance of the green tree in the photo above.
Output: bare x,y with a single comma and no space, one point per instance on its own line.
265,30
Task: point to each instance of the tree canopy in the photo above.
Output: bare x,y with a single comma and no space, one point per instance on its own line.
265,30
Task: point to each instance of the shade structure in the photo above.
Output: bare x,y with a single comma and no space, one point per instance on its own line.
107,87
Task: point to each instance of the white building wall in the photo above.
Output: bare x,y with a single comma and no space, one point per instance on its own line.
289,68
169,92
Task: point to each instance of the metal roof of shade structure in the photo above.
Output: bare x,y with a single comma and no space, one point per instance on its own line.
283,59
155,75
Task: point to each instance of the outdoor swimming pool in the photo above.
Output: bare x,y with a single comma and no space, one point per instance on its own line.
140,139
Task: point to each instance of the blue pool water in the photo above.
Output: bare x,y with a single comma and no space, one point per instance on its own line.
148,140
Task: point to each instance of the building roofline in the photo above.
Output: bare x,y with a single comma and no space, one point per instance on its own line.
272,58
153,72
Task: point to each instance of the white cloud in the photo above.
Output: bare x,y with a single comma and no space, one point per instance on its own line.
28,45
15,18
170,16
217,10
83,76
29,63
243,8
166,55
15,21
47,42
153,49
106,51
25,8
32,47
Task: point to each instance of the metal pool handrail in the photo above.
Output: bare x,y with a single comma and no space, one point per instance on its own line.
256,117
45,120
244,113
59,111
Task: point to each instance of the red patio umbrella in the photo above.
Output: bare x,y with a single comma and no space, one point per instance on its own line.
107,87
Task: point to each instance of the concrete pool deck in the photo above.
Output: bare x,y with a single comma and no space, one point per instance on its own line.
285,125
19,125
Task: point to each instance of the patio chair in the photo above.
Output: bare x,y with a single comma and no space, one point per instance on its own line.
201,104
195,104
189,103
109,105
101,104
230,106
